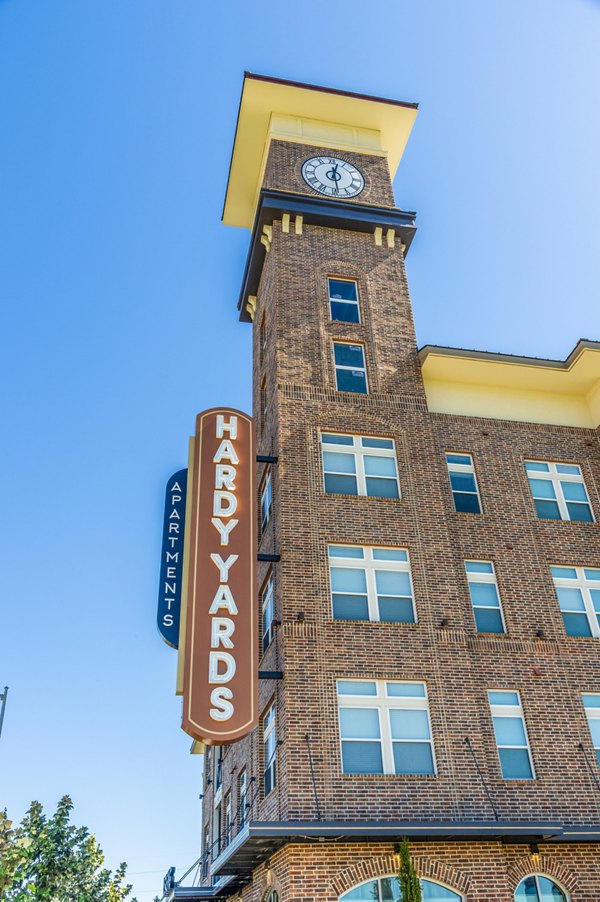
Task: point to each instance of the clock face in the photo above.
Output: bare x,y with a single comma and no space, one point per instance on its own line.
333,177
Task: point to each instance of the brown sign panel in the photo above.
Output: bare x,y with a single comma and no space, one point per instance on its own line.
220,695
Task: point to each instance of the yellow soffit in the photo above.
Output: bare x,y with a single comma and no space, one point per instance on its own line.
307,114
553,391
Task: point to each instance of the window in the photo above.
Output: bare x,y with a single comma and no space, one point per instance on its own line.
205,850
218,764
343,300
272,896
268,611
387,889
217,839
350,370
358,465
484,596
464,483
371,584
242,797
558,491
591,703
262,340
511,736
266,500
263,402
228,823
384,727
539,889
578,592
270,748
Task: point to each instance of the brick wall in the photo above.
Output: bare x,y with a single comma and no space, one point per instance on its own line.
293,364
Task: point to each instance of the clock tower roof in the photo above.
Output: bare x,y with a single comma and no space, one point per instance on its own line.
307,114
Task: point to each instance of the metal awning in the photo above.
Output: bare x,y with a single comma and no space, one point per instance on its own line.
259,839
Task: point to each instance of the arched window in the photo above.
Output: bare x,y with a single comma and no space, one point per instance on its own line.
539,889
387,889
272,896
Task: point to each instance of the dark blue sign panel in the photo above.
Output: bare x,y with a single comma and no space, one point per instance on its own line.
171,562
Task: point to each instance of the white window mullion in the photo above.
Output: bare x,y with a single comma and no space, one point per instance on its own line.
371,586
386,736
360,474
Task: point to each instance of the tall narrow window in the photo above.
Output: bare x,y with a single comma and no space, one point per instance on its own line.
228,824
268,613
343,300
384,727
485,599
371,584
218,759
359,465
217,837
591,703
242,797
558,491
578,592
511,735
262,340
205,850
266,499
270,748
350,370
463,483
263,403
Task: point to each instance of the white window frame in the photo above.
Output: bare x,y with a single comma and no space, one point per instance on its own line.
206,850
218,773
353,369
553,476
383,704
489,579
584,585
331,279
359,453
463,468
269,723
369,565
499,710
592,713
266,499
537,886
267,607
217,835
227,816
242,797
378,880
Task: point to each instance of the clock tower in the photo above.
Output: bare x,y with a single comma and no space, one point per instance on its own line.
413,665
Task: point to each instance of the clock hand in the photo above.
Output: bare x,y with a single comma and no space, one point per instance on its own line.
334,176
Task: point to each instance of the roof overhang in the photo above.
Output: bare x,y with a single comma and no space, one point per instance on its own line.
306,114
502,386
273,205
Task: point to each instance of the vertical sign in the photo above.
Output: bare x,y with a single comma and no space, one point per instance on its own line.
171,561
220,691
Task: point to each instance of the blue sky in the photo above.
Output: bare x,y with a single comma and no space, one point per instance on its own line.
118,286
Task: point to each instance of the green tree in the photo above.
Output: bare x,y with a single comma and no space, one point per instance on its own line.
410,885
48,859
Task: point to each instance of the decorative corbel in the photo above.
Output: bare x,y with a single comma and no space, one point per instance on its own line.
251,306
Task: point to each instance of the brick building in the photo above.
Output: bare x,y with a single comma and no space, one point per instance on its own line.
428,560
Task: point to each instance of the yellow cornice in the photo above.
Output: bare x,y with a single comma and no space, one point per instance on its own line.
306,114
482,384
